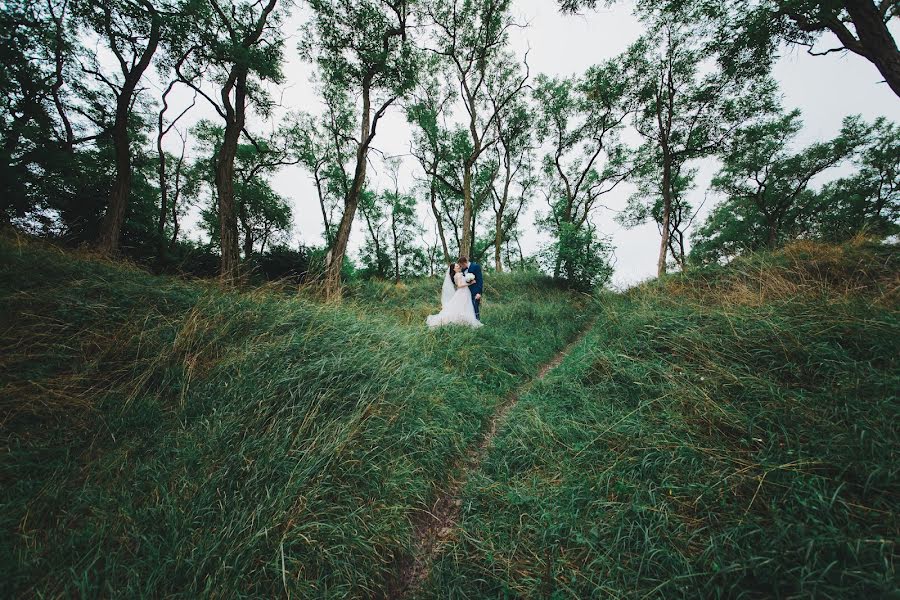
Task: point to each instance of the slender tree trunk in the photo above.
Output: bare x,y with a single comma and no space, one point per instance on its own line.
248,233
772,238
876,39
111,229
666,218
324,210
498,242
396,248
465,247
440,225
375,240
175,198
351,203
163,193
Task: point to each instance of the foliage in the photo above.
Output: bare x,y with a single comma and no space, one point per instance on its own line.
768,199
747,36
581,118
686,111
584,255
393,231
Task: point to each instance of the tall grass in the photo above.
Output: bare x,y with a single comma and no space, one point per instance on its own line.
731,432
164,438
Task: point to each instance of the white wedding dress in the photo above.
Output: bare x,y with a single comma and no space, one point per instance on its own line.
456,305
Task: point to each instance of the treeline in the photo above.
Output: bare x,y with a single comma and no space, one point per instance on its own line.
88,125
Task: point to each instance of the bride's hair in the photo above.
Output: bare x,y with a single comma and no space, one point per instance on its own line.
452,273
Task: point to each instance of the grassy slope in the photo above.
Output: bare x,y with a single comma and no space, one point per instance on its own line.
162,437
732,433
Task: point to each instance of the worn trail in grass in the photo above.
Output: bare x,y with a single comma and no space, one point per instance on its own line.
730,433
162,438
435,527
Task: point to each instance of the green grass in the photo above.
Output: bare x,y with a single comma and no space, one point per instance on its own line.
730,433
166,438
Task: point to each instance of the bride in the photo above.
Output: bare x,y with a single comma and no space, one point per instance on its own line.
456,301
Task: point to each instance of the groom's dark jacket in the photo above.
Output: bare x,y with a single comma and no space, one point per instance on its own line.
478,286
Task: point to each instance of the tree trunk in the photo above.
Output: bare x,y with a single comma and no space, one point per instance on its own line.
163,196
772,228
248,233
877,41
498,242
324,211
667,215
396,248
111,229
228,229
465,246
440,225
335,260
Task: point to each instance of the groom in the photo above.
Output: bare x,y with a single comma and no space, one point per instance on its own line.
476,288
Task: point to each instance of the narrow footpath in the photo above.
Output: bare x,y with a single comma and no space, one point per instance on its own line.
434,528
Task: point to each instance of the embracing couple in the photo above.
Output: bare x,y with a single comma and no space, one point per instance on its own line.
460,296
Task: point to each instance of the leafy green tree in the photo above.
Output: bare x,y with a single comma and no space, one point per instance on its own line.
585,256
263,216
515,157
324,148
427,109
361,49
646,204
685,113
869,200
238,45
748,34
392,231
471,35
131,30
768,198
375,257
581,118
52,170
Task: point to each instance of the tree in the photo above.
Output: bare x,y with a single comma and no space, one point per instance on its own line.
53,159
868,200
581,118
685,114
748,34
515,146
768,199
233,45
392,231
323,148
168,203
471,35
131,30
360,48
427,109
262,214
647,203
375,257
586,257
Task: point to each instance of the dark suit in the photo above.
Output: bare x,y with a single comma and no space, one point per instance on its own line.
477,287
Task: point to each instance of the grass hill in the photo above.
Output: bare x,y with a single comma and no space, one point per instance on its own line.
732,431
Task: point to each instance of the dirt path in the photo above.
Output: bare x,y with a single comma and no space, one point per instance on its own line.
434,528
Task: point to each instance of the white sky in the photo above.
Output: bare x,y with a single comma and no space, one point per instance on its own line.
825,89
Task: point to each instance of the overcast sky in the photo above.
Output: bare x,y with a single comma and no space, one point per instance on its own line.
825,89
